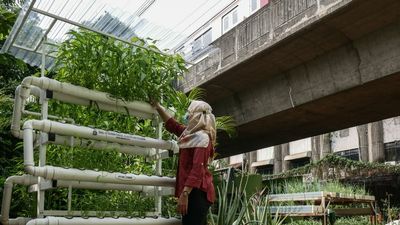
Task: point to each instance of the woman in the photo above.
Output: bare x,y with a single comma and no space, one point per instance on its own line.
194,185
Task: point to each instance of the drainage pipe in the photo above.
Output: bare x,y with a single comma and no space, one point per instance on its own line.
7,193
57,173
85,93
104,221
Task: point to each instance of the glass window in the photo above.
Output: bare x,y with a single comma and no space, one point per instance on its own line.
230,20
392,151
299,162
234,17
254,5
202,41
353,154
267,169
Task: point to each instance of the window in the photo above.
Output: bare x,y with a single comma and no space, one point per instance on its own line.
254,5
230,20
202,41
353,154
267,169
299,162
392,151
344,133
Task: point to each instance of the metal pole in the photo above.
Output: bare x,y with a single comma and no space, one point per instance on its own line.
43,138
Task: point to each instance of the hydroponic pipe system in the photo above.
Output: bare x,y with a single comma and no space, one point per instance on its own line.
72,135
83,96
30,180
19,108
103,221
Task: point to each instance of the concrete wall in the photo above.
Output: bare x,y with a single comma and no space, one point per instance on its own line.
265,153
236,159
278,20
303,145
339,143
391,129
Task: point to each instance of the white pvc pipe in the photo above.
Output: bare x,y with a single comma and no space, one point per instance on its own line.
98,134
29,180
19,221
102,145
147,190
103,106
7,193
19,109
81,92
104,221
57,173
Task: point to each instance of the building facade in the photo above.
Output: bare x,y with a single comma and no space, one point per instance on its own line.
374,142
198,44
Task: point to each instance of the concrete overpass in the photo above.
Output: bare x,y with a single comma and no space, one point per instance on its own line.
299,68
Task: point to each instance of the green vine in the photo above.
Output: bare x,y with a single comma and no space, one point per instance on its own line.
350,167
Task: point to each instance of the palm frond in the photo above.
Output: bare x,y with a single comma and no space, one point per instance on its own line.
196,94
226,124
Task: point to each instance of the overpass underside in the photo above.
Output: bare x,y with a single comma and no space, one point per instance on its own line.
334,65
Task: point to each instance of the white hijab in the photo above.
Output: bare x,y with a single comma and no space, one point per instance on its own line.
200,128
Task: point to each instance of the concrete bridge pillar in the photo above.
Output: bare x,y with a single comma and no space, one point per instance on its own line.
325,142
278,159
252,158
315,148
375,142
362,131
285,152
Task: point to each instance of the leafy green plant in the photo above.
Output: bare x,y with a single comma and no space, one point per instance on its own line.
231,206
125,71
297,186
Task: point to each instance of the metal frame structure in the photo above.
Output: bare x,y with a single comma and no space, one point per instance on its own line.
29,8
321,207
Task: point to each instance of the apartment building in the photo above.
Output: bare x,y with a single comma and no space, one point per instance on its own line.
378,141
195,47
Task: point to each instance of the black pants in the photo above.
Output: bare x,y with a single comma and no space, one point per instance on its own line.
197,208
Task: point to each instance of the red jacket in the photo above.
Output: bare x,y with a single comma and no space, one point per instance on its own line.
192,165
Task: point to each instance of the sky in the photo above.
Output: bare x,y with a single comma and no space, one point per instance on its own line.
169,21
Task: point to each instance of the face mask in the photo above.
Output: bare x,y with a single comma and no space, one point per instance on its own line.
185,119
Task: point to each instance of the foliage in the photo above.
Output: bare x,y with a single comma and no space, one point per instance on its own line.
338,164
258,212
359,220
131,73
127,73
234,207
7,19
226,124
231,206
297,186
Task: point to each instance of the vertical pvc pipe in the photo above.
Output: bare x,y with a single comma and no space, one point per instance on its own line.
43,137
69,198
158,196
